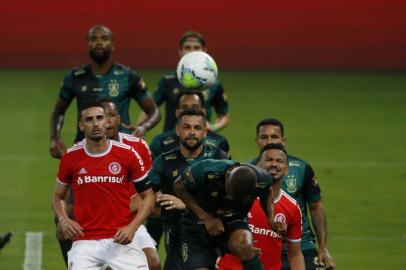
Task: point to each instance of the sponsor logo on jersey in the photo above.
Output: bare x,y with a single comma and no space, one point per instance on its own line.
294,164
280,217
100,179
83,171
263,231
168,141
118,72
209,142
175,91
80,71
83,88
189,177
142,84
184,252
314,181
175,173
114,167
98,89
113,88
291,184
214,194
139,158
171,157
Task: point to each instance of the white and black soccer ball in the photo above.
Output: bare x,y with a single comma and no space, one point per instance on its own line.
197,70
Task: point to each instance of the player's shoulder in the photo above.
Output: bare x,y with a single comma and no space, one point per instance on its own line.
294,161
120,145
76,147
215,136
79,71
288,198
130,138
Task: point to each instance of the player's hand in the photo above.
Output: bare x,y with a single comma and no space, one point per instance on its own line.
57,149
59,232
279,227
138,131
170,202
124,235
213,225
324,258
70,228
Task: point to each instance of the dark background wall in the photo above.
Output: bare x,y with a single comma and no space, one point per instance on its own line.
290,34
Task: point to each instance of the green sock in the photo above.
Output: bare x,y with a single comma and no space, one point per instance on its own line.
253,264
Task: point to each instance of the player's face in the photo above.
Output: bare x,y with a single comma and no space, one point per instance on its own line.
100,44
190,45
112,118
191,131
188,102
274,161
93,123
269,134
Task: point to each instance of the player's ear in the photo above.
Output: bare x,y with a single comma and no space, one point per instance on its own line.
284,141
80,126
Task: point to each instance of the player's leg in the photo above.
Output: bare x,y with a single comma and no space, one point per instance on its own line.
148,246
173,249
240,243
197,247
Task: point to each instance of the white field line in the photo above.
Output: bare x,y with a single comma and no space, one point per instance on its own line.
33,251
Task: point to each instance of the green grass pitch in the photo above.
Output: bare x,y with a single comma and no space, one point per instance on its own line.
350,126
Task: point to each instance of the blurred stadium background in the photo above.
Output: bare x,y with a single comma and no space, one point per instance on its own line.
332,71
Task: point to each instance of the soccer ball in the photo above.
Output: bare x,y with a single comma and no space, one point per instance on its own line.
197,70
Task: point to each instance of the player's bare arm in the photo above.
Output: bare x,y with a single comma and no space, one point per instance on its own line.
150,108
69,227
295,256
125,234
319,222
221,122
213,225
57,148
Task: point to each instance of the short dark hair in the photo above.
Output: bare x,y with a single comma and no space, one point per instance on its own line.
99,26
108,100
270,146
192,34
190,93
190,112
272,122
243,182
88,105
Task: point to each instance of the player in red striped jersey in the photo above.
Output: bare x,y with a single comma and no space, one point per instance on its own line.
145,241
99,171
273,158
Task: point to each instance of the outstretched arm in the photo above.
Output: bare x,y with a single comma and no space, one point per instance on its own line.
57,148
213,225
319,221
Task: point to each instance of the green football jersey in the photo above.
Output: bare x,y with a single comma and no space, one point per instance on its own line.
168,141
206,181
301,184
168,90
120,85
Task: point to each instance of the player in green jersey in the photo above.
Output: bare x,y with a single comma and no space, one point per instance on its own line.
191,129
218,195
169,88
102,78
301,184
168,140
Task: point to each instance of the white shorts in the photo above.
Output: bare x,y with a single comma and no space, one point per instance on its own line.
94,254
144,239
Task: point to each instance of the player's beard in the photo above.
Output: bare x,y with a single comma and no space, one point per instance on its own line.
191,147
99,58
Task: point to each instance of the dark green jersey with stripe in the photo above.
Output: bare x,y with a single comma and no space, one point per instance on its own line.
120,85
301,184
168,167
168,90
206,181
168,141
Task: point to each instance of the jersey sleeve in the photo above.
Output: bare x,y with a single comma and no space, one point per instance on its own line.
64,175
66,92
312,192
194,177
220,102
156,175
159,94
223,145
138,172
137,87
145,154
294,232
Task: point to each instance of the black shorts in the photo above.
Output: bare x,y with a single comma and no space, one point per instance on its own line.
308,255
199,249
